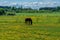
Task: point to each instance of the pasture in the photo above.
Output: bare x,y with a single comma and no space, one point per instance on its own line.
44,27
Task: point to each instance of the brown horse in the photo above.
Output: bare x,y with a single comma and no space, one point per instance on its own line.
28,21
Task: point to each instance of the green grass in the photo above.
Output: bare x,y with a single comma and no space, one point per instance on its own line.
45,27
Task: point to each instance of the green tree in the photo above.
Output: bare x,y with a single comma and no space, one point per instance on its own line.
2,11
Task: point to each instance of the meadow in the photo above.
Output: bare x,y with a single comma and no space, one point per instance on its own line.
44,27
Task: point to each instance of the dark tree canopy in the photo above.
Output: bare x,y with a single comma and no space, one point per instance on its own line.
2,11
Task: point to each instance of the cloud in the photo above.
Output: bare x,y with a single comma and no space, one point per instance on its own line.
14,3
38,3
31,4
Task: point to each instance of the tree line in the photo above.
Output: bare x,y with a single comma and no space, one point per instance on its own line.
12,10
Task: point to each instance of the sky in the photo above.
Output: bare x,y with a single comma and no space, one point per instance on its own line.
31,3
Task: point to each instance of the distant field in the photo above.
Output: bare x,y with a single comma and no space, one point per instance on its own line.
45,27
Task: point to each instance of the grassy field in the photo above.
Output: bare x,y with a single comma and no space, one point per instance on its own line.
45,27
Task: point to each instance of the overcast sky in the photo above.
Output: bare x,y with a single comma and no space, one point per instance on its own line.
31,3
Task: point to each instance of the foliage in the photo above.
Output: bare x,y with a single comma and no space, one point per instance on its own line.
2,11
5,10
